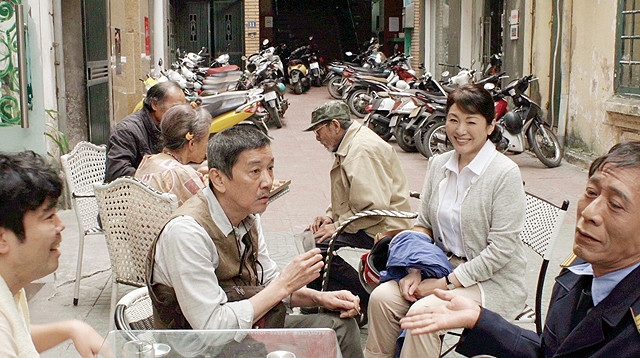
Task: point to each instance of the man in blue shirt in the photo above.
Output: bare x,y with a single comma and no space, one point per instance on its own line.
595,305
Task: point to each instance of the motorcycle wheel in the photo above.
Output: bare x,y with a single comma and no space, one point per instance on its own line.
317,81
274,115
358,101
333,87
404,137
545,145
297,88
435,140
417,139
382,131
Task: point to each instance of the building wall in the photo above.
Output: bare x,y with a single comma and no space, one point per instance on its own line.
127,89
534,57
75,125
596,118
251,34
591,92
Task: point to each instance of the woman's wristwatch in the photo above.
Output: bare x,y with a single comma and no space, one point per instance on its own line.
450,284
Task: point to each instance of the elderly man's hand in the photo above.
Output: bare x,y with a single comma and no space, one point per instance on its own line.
343,301
459,312
322,228
324,232
303,269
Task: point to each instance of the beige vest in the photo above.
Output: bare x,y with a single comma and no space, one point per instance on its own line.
230,272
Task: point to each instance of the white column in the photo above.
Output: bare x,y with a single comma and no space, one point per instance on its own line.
159,33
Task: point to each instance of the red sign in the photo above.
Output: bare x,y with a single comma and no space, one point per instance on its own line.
147,37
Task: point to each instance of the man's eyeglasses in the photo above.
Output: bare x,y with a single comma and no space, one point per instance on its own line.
320,127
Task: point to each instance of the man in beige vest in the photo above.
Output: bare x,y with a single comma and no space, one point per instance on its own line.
214,242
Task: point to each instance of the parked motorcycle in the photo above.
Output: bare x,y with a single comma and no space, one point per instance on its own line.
230,108
522,128
298,71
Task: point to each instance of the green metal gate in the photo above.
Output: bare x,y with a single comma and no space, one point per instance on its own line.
96,52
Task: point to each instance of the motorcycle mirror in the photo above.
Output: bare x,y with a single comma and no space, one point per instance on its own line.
489,86
160,62
265,42
348,53
243,58
445,74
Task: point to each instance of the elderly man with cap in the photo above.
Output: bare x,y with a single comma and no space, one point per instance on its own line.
366,174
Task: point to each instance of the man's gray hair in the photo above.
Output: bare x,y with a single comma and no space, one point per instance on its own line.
226,146
621,155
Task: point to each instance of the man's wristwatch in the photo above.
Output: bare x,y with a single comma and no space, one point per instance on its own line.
450,284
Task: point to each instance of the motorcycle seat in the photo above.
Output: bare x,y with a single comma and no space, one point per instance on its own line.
221,69
373,73
373,78
224,102
429,97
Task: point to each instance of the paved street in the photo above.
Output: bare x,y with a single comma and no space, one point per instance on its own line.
306,163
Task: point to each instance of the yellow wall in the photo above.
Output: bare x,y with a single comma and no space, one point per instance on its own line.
596,117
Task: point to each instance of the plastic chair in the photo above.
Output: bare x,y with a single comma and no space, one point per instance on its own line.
134,311
132,215
84,166
541,226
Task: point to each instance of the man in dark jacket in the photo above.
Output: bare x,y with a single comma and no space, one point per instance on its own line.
138,134
595,304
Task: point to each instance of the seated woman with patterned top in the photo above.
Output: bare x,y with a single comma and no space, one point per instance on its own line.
185,134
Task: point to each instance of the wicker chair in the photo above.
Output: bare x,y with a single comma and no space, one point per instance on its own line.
132,215
83,167
134,311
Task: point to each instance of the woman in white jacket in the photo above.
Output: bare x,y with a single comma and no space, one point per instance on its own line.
473,206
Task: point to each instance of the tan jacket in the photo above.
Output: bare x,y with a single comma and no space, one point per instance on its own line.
367,174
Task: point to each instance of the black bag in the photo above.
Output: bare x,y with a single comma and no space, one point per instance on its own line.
274,318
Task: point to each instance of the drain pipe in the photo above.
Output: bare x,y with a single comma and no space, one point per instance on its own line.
61,84
565,70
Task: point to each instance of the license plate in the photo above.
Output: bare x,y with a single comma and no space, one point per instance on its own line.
270,95
415,112
314,65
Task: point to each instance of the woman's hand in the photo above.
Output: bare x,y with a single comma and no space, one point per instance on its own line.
409,284
428,286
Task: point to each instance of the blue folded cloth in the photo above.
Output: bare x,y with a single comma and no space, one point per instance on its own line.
413,249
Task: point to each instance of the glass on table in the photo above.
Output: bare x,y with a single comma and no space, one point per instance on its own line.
138,349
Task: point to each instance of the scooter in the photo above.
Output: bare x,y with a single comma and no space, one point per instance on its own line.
231,108
298,71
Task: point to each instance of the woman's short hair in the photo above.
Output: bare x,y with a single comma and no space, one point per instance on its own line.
182,123
474,99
